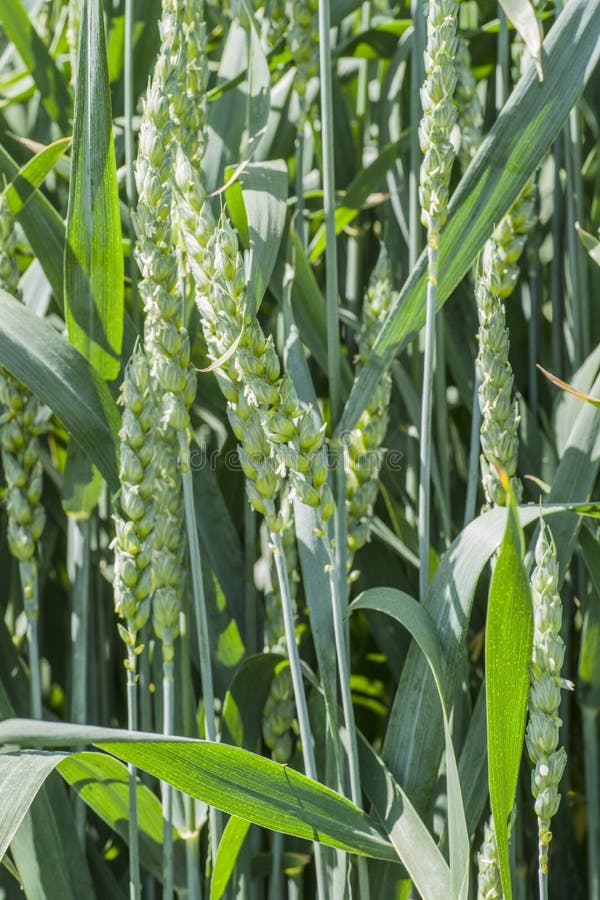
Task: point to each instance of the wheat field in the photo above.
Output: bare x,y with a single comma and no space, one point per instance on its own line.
300,445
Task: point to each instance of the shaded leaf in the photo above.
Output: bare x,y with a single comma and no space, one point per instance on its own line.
230,845
232,779
522,134
415,618
102,782
60,376
49,81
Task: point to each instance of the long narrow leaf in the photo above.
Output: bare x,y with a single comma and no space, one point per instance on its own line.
93,251
63,379
522,134
239,782
508,639
42,224
415,618
31,175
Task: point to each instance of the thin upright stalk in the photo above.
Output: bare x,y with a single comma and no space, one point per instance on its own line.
167,791
299,148
341,648
276,879
426,407
35,682
333,338
441,422
129,102
575,303
250,593
556,269
192,850
308,755
592,790
187,706
417,76
473,472
531,290
78,567
135,888
201,620
503,61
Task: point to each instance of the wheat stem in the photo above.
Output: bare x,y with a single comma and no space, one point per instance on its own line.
132,724
308,756
425,431
333,335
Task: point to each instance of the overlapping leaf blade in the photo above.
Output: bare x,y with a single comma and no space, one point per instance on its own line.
523,132
60,376
508,639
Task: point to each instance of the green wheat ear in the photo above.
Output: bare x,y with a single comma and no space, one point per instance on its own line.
542,734
135,523
489,886
20,426
363,451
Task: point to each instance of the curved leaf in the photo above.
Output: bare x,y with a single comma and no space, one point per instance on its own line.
29,771
234,780
102,782
415,618
229,848
414,739
60,376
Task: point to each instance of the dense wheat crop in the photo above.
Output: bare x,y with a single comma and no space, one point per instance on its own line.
300,446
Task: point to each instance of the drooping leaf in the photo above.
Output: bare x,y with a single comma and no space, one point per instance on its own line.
569,388
415,618
29,771
49,80
31,175
102,782
60,376
522,14
508,641
234,780
414,844
523,132
591,243
94,266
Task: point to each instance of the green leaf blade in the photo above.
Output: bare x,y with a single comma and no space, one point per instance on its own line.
522,134
508,643
62,379
48,79
94,267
